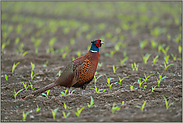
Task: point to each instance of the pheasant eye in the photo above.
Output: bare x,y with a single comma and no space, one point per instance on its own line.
97,43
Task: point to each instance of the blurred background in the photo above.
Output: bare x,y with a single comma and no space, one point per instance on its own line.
76,22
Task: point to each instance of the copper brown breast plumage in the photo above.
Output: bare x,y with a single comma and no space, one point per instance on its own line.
79,72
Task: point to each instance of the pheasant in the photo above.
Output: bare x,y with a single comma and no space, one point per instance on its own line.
80,72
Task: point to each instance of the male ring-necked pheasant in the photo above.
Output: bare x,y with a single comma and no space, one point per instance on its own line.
79,72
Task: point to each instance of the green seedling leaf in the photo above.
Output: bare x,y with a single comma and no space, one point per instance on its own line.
166,66
169,37
123,102
146,57
25,115
37,109
142,107
131,87
146,77
79,111
155,59
91,102
6,77
180,49
25,53
108,83
120,80
153,88
165,50
115,108
166,102
54,112
47,93
59,73
140,82
14,66
16,93
65,115
143,44
134,66
66,108
122,61
174,56
153,44
32,65
45,64
25,85
114,69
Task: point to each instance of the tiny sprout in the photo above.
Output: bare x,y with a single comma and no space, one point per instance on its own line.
37,109
142,108
66,108
108,83
155,59
14,66
79,111
122,61
146,57
16,93
65,115
120,80
166,102
114,68
135,66
25,115
153,88
115,108
6,77
54,112
47,93
91,102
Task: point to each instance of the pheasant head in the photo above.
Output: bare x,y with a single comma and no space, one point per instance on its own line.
95,45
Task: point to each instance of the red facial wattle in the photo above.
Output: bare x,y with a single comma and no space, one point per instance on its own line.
97,43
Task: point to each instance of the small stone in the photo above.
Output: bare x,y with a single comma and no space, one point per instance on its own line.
158,89
140,96
31,117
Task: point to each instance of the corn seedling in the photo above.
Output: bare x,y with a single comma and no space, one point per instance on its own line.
166,66
95,79
178,38
146,57
122,61
78,53
166,102
114,68
14,66
153,88
115,108
165,50
45,64
146,77
72,41
169,37
91,102
79,111
143,44
155,59
120,80
97,90
153,44
131,87
160,79
174,56
25,85
124,53
109,84
142,107
65,93
6,77
112,53
65,115
16,93
166,58
100,64
140,82
65,107
32,65
180,49
64,55
54,112
47,93
17,40
25,115
33,75
123,102
37,109
25,53
59,73
134,66
160,47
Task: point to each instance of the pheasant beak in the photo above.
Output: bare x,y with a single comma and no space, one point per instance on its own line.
102,42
